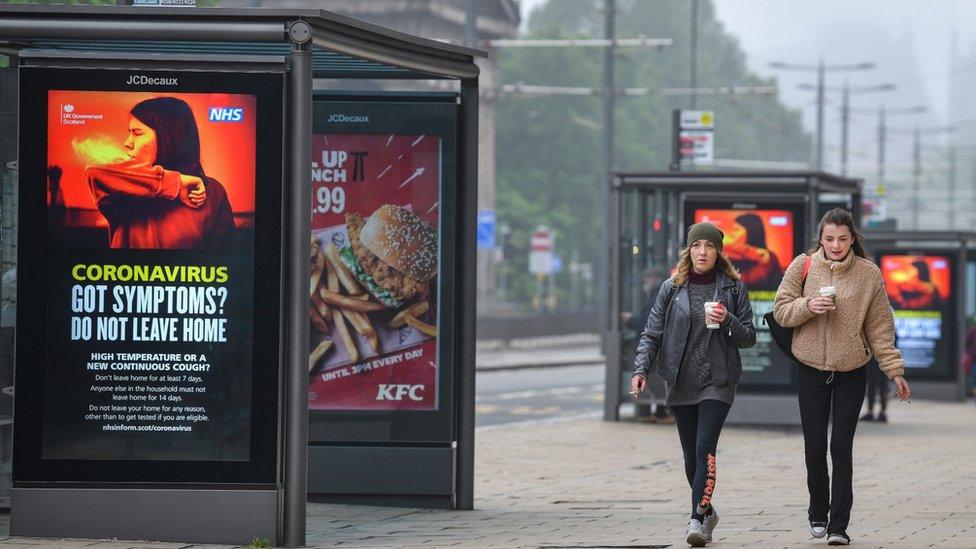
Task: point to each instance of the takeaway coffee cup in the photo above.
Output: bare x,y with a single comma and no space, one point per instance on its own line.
709,305
829,291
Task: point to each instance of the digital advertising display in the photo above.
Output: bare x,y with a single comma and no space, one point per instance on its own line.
920,289
761,239
381,282
156,197
374,263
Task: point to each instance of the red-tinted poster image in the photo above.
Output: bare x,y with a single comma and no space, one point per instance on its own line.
916,282
919,288
172,171
759,242
374,263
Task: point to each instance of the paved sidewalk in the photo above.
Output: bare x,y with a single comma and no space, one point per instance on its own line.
581,482
508,359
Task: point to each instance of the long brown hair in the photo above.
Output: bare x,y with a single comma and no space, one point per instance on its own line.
840,217
683,267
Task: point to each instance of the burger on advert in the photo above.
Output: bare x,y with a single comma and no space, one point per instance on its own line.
374,275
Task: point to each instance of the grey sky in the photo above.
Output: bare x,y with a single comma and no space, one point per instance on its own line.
908,39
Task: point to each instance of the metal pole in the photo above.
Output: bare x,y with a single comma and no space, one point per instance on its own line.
467,291
609,9
297,220
820,113
471,24
612,377
694,53
882,137
916,174
845,121
952,183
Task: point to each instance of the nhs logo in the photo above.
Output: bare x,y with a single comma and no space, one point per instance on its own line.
226,114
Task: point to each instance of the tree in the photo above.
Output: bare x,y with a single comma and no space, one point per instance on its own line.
549,149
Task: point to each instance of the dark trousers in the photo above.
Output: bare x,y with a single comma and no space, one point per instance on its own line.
838,397
877,386
699,426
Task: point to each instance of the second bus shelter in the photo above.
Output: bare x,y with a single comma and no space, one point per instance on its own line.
768,219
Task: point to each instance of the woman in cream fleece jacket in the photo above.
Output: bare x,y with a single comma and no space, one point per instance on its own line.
835,339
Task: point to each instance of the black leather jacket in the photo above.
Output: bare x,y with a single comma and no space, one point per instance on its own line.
665,335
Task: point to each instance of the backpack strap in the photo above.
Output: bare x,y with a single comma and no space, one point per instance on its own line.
806,270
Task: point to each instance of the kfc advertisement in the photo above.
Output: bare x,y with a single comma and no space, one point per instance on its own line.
919,288
760,240
373,272
146,269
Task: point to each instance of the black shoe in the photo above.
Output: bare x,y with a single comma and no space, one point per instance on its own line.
882,417
838,538
867,417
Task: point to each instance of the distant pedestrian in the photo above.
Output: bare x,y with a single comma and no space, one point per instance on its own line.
841,316
877,390
969,357
700,320
651,284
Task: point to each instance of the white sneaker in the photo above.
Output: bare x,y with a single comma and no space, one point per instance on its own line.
818,529
711,521
838,539
696,534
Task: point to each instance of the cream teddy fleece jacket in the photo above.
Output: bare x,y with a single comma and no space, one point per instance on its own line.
843,339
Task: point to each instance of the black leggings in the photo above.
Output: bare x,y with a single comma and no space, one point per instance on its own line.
699,426
837,396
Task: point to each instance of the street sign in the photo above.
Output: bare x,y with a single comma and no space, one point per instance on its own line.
540,251
557,264
486,229
694,138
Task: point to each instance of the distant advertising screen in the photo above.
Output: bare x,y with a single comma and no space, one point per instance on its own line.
761,240
148,266
920,291
373,271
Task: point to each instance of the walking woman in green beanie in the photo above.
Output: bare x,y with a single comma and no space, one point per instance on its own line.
700,320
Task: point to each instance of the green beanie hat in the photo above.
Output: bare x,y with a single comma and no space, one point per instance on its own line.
706,231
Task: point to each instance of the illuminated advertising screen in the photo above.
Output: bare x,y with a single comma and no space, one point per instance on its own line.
920,289
761,240
155,199
375,219
381,365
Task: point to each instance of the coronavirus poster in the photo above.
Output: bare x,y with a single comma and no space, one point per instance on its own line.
373,271
760,240
919,288
146,190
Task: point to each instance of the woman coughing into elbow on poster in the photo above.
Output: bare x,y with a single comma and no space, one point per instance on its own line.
700,320
158,196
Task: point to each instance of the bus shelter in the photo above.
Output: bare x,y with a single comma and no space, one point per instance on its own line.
768,218
929,278
162,283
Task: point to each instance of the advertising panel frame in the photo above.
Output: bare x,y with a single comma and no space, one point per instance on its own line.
949,339
405,114
407,438
798,205
30,468
47,498
960,246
